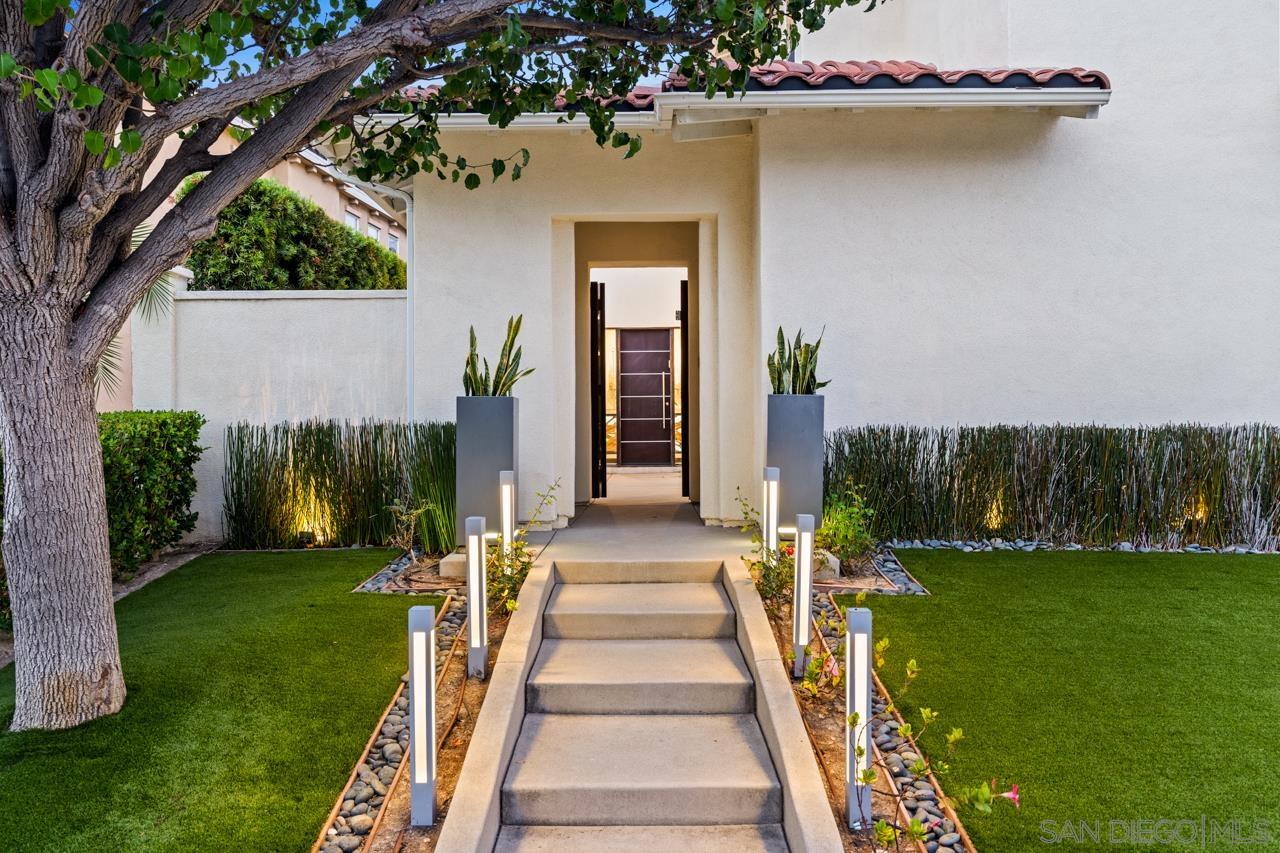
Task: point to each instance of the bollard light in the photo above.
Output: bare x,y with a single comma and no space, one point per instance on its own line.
802,590
477,598
857,700
422,716
769,509
507,486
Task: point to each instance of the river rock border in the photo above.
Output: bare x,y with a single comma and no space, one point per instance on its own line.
922,796
998,544
384,577
355,813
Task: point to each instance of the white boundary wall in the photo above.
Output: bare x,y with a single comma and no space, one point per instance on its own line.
268,357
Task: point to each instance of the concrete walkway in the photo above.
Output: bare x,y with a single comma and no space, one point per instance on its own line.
644,518
639,702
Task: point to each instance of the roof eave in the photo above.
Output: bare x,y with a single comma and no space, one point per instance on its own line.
1080,102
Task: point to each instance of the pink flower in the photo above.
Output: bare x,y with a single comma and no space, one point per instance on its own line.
1012,794
832,667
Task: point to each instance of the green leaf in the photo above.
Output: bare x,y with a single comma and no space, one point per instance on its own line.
220,23
87,96
471,181
499,167
94,141
36,12
112,159
8,65
724,10
129,69
46,77
130,141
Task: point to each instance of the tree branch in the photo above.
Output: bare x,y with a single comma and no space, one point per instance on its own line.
610,32
130,211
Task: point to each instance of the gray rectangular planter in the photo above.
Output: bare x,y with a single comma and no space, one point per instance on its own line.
795,444
488,442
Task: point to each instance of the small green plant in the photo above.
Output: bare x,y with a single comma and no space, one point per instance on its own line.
846,528
506,372
404,535
507,569
771,570
793,367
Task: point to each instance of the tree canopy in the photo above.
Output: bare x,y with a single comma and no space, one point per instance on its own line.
93,95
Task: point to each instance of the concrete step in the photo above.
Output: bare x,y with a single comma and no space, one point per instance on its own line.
654,611
659,770
764,838
638,571
640,677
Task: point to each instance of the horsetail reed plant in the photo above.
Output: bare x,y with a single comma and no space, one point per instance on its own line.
506,372
335,483
793,368
1163,486
431,483
258,501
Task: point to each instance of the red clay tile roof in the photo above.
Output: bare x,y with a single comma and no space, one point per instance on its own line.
782,75
817,75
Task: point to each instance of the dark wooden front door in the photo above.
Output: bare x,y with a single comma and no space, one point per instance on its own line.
645,414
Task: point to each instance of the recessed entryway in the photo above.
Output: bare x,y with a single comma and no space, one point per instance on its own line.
638,351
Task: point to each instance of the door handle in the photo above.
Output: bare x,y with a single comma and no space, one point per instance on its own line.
664,399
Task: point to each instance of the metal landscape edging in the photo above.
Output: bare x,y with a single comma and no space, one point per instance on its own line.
893,783
351,777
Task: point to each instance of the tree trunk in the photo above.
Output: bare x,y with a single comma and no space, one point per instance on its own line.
56,554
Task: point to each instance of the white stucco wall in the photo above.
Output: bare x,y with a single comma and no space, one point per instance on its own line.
983,267
951,34
641,297
266,358
508,248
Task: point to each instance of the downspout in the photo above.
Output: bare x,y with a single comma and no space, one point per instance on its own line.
411,239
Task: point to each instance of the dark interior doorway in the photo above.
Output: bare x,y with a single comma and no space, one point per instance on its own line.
639,392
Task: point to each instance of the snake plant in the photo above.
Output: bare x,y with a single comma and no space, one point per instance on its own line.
793,367
506,372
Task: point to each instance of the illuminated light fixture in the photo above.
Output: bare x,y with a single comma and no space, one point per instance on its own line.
422,716
857,700
477,595
507,486
803,591
769,509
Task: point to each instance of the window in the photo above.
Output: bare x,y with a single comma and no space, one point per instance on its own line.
375,232
353,220
393,243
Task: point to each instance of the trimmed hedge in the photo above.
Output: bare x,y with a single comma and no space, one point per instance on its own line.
148,462
1164,486
271,238
334,483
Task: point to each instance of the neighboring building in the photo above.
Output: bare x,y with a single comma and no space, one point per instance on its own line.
309,175
972,249
312,176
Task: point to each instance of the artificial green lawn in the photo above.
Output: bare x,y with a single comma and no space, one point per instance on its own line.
1108,686
254,681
